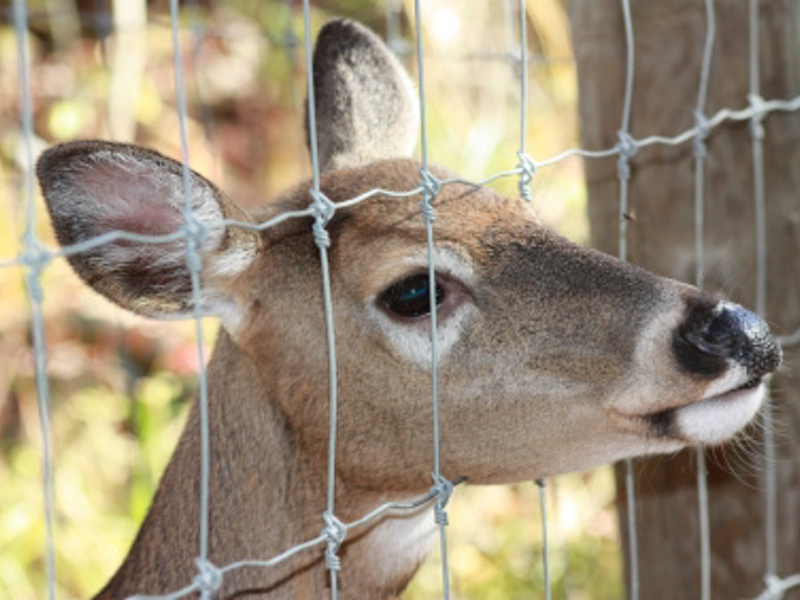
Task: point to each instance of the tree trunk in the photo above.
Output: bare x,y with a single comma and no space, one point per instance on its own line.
669,42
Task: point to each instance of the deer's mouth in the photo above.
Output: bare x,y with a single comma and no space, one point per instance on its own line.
713,419
753,383
733,394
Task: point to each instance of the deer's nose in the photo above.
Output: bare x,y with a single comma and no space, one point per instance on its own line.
715,333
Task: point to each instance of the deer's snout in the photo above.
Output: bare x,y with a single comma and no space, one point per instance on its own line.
716,333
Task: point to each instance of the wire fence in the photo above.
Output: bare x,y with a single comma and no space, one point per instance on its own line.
35,256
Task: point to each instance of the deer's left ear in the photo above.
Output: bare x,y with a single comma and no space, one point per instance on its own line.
366,106
95,188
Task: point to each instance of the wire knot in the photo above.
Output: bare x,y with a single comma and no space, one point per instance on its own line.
430,188
400,47
335,531
515,58
194,229
703,127
209,577
774,588
430,185
290,40
36,258
193,260
627,148
324,210
442,489
759,110
527,169
428,212
34,285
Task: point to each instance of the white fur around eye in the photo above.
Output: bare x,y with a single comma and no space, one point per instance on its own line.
411,338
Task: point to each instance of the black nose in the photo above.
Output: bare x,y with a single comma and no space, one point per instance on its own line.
715,333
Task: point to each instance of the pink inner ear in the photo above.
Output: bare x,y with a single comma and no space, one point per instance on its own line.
146,218
133,197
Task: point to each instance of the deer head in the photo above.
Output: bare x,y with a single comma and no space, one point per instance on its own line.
552,357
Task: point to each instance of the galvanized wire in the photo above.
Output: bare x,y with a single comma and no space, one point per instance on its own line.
35,257
527,167
192,232
757,135
627,147
430,188
776,588
324,209
699,240
541,485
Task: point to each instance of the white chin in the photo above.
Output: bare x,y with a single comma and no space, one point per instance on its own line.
717,419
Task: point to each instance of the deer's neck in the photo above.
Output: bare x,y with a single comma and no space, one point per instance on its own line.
266,496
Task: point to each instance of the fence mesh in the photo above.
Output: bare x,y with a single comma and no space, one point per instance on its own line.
35,256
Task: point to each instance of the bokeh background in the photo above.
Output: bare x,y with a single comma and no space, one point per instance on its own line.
121,385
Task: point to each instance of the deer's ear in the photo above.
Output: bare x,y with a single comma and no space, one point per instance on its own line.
365,102
95,188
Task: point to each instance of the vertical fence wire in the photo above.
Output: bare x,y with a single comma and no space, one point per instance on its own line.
701,123
430,188
334,530
394,38
527,168
757,135
627,148
199,34
291,43
36,260
509,30
627,145
423,129
523,77
541,485
312,109
194,231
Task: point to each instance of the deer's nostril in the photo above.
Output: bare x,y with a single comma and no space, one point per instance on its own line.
723,336
714,334
722,332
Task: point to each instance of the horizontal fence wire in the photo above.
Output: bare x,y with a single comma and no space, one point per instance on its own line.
35,257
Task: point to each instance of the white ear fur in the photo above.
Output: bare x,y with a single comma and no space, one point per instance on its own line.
366,108
93,188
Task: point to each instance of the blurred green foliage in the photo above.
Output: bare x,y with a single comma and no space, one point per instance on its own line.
120,386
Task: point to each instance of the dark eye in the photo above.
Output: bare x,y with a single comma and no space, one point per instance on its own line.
411,297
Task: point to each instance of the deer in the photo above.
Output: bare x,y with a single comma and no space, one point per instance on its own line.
552,357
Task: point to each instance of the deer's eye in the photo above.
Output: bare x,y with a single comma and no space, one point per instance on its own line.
411,297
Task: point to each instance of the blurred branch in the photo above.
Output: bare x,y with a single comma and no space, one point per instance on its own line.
127,66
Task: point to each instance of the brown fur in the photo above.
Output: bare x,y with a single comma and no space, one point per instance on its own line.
555,356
